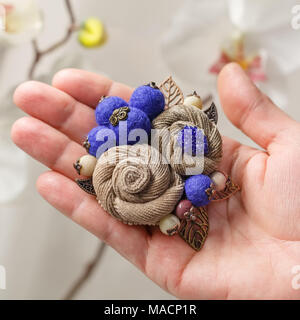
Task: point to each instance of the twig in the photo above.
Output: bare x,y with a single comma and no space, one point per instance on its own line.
40,53
88,270
70,10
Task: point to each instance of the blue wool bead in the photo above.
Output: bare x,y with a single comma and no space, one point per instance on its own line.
195,187
94,141
193,141
136,119
148,99
106,107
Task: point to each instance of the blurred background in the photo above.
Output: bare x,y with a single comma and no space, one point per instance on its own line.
43,253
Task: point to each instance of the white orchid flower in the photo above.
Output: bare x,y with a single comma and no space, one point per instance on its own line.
20,21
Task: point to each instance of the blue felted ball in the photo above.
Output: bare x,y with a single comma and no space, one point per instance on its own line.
96,140
192,141
148,99
195,187
136,119
106,107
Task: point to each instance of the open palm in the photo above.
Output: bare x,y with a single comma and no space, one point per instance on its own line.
254,237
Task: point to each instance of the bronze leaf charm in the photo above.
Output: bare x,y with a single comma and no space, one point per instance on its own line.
194,227
119,115
173,94
86,185
212,113
230,189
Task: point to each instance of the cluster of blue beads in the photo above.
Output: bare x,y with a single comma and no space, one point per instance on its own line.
146,103
193,142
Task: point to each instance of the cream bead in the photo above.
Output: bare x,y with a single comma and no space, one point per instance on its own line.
219,180
85,165
169,224
193,100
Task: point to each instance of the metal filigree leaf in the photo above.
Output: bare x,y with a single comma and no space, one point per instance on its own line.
173,94
212,113
86,185
194,227
230,189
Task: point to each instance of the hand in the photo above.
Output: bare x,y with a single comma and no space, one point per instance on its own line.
254,237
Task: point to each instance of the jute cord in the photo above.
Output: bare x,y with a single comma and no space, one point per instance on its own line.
135,186
171,122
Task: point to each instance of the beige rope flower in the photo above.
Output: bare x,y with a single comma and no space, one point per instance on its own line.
136,185
171,122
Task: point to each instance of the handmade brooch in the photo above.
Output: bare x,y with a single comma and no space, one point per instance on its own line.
154,161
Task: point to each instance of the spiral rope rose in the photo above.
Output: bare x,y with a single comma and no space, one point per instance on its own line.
171,122
136,185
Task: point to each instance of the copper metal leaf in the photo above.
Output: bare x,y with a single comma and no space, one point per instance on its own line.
86,185
230,189
173,94
194,227
212,113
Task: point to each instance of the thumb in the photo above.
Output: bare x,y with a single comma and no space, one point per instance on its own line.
250,110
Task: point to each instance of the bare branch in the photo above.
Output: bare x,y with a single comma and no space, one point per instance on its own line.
70,10
88,270
40,53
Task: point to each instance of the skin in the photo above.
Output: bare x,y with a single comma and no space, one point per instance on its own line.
254,237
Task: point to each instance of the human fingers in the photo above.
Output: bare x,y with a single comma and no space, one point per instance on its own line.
56,108
252,111
47,145
63,194
88,87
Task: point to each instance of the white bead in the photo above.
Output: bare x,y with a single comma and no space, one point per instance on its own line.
169,224
193,101
219,180
88,164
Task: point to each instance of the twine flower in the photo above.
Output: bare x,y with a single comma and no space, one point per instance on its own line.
136,185
171,124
